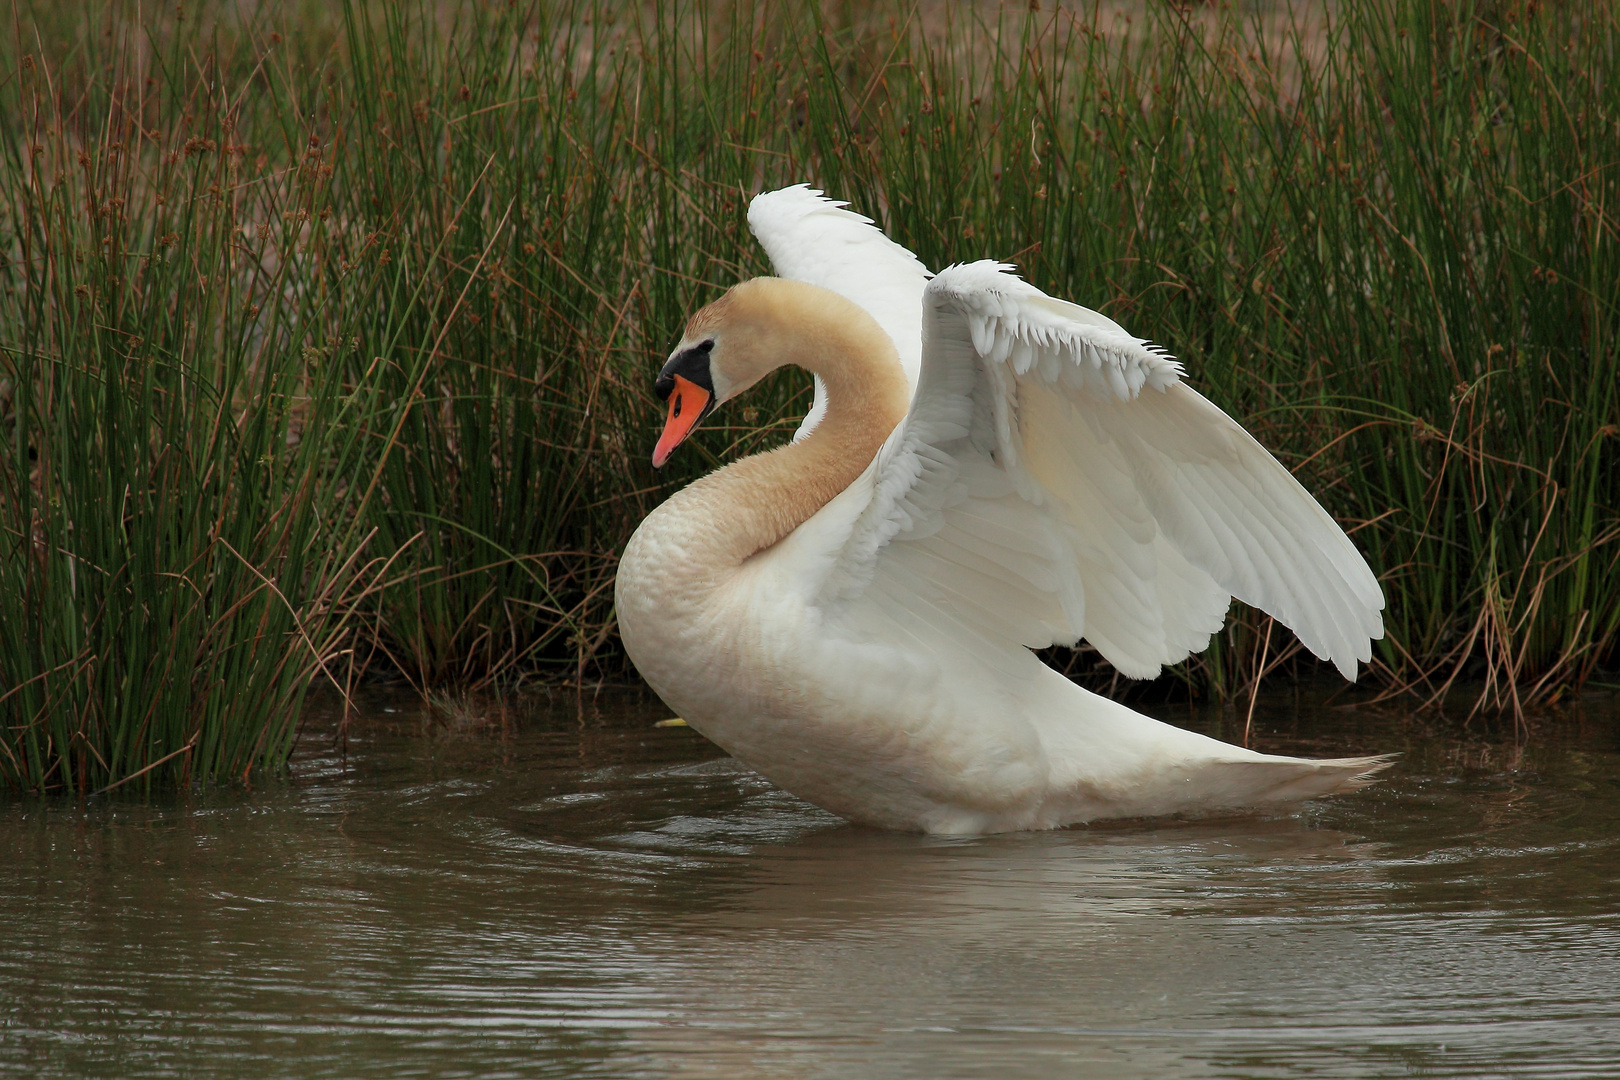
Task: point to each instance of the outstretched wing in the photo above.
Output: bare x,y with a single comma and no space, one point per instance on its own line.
1056,479
813,239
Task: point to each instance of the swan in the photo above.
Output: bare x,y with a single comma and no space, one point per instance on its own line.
986,471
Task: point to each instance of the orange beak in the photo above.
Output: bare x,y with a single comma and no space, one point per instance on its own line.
687,404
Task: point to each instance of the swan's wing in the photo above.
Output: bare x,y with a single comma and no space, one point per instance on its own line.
813,239
1056,479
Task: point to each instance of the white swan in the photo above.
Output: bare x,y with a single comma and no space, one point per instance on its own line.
987,471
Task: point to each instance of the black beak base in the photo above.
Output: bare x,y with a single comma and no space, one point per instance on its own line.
691,364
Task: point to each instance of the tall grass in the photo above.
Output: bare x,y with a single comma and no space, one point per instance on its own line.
327,333
174,444
1388,244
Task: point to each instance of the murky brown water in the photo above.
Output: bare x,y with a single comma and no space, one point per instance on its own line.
591,896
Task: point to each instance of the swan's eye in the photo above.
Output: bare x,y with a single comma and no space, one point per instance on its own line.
706,346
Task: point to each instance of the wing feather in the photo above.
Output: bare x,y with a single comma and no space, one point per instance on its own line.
1056,479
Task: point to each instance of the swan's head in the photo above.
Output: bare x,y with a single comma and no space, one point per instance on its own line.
731,344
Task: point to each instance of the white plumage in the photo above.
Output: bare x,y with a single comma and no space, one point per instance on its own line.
1053,479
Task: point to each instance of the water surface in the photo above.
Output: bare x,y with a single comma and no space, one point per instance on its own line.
573,892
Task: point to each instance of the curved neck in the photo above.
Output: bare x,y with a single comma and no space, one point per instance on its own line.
752,504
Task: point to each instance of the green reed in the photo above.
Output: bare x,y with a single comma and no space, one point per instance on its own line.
1394,262
173,426
328,333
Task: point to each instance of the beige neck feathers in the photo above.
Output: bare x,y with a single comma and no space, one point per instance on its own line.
752,504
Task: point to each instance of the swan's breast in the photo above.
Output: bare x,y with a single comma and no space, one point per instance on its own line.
851,720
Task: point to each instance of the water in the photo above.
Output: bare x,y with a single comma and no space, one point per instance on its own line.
586,895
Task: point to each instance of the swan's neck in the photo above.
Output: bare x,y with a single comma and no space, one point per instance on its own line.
752,504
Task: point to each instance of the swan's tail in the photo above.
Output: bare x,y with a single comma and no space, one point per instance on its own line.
1270,781
1110,762
1231,780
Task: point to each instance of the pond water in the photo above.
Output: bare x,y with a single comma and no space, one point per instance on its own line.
574,892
